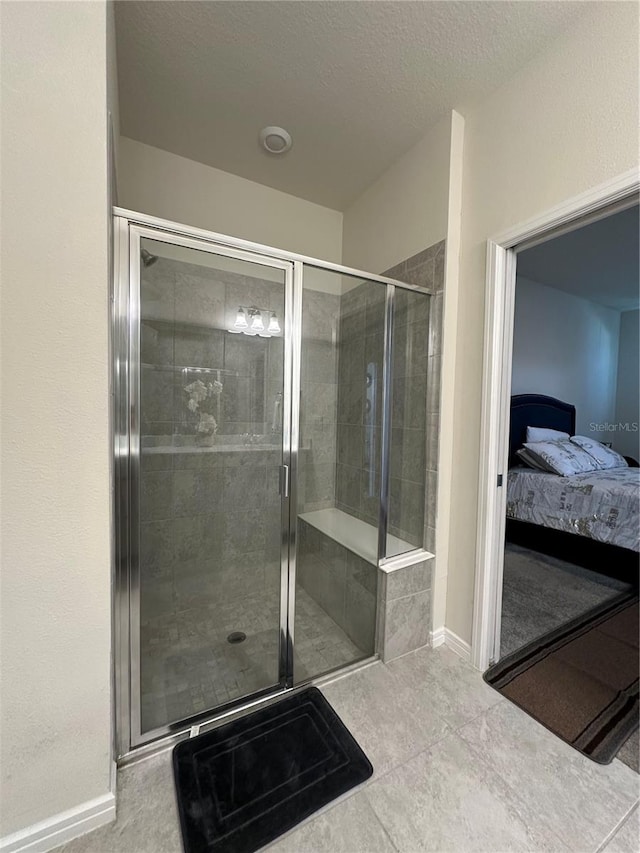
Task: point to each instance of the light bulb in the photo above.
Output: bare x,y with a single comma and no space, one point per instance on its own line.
274,326
241,320
257,325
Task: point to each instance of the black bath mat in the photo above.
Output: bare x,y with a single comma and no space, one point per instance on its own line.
242,785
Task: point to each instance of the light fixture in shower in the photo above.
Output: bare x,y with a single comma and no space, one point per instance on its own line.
241,321
274,326
257,324
250,321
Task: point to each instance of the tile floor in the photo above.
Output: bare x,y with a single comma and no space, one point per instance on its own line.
188,666
457,768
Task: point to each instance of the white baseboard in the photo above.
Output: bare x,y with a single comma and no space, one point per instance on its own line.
457,645
443,636
62,827
437,637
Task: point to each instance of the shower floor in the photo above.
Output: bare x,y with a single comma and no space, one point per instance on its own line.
188,666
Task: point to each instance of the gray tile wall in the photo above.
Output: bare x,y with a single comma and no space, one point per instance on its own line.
415,403
185,311
404,610
407,463
427,269
210,516
342,583
210,520
318,401
360,348
404,613
388,613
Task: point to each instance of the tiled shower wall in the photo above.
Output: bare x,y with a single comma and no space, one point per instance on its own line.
210,516
415,399
404,597
408,417
342,583
224,507
427,269
185,311
360,354
318,401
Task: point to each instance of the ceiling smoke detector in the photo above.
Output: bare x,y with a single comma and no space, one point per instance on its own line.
275,140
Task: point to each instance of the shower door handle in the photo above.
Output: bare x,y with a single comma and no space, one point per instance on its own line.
284,481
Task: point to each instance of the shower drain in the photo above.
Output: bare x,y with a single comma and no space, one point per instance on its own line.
236,637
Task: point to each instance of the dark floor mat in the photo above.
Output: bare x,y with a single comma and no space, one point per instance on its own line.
580,680
242,785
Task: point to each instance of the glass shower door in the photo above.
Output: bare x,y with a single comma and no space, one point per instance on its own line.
207,514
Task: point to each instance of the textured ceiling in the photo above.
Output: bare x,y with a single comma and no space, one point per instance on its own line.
355,83
599,262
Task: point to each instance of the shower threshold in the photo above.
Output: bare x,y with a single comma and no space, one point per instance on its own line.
211,720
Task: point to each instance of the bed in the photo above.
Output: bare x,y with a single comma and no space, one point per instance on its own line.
591,519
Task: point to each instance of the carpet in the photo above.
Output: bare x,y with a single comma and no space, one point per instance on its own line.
245,783
580,680
540,593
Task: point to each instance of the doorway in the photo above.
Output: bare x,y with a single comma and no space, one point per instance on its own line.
595,204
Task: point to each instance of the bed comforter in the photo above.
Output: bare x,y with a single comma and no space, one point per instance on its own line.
601,505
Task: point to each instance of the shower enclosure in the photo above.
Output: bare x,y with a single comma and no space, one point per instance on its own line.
269,439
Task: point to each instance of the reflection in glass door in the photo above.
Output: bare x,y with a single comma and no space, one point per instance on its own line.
206,591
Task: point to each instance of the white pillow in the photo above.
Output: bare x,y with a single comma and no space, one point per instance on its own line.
544,434
604,456
562,457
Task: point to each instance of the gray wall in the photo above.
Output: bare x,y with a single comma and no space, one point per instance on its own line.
342,583
318,401
360,345
567,347
416,369
207,512
427,269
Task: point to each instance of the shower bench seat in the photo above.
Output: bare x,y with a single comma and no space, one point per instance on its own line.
361,538
338,567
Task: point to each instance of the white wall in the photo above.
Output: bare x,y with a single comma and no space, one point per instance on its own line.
162,184
405,210
113,103
567,122
566,347
55,607
628,387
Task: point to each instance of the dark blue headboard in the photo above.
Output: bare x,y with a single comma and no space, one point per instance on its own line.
540,411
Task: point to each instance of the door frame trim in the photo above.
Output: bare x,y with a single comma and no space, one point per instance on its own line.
596,203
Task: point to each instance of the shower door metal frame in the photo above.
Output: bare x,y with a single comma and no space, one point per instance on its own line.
126,411
129,228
